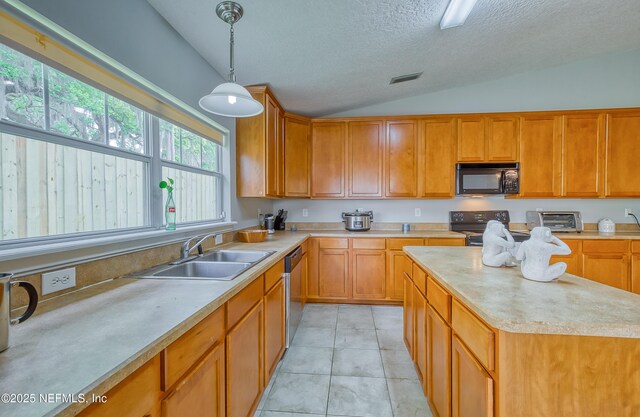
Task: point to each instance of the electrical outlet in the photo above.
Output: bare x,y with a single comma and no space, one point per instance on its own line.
418,212
58,280
628,212
218,239
305,212
259,212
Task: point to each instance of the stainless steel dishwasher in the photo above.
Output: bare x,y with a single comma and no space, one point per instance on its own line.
293,291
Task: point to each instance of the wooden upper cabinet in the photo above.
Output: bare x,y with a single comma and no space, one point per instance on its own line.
439,157
272,113
501,139
259,149
401,164
297,156
471,142
365,154
582,155
623,154
328,159
488,139
540,156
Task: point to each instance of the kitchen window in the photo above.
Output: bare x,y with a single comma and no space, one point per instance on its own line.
76,160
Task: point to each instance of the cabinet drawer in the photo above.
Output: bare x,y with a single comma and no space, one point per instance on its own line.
273,275
398,244
635,246
439,298
333,243
419,278
179,356
367,243
605,246
241,303
445,241
476,335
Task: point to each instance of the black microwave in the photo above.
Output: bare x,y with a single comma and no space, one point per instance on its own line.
477,179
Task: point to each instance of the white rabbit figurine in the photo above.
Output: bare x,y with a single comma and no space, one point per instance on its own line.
497,245
536,252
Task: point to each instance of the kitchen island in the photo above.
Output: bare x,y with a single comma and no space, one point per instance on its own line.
486,339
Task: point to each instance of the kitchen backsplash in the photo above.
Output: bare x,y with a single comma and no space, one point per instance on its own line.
437,211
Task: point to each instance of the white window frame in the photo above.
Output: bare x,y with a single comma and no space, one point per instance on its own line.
31,255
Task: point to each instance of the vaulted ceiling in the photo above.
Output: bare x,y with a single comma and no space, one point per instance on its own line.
322,57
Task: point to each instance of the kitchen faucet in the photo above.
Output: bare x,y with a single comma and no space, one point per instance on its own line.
186,249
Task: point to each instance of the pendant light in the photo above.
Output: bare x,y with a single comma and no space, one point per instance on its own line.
230,99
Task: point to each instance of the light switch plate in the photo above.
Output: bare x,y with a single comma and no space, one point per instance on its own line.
58,280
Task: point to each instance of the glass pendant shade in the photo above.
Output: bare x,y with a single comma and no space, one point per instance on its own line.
231,100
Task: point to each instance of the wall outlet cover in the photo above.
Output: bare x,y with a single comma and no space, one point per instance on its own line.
628,212
218,239
418,212
58,280
305,212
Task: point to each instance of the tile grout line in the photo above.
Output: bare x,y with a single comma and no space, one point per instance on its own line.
384,372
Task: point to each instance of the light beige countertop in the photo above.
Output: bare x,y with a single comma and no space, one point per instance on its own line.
109,330
504,299
595,235
385,233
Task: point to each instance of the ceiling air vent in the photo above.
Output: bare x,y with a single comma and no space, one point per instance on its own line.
403,78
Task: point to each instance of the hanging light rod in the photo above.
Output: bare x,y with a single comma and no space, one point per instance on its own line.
231,99
456,13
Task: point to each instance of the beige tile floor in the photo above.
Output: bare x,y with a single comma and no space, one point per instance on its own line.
346,360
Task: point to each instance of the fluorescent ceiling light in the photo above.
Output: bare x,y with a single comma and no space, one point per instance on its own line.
456,13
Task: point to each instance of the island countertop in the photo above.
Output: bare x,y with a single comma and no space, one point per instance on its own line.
505,300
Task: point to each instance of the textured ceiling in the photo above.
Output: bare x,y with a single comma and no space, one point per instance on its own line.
322,57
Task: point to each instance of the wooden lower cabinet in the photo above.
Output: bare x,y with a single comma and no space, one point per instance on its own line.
202,392
573,260
438,364
420,335
635,267
244,364
333,273
471,387
395,275
274,328
137,396
369,274
607,262
408,327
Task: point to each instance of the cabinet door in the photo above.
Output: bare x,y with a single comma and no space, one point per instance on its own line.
305,278
201,392
297,156
245,364
471,143
540,156
438,364
137,396
333,273
365,154
401,164
407,311
623,154
369,267
274,329
607,268
502,139
472,386
583,155
439,157
635,273
395,275
251,151
272,114
574,260
420,332
328,157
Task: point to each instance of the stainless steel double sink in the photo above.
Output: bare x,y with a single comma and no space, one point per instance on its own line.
222,265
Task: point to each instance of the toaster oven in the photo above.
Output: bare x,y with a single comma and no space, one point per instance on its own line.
557,221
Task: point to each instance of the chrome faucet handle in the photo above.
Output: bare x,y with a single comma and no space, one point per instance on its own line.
186,250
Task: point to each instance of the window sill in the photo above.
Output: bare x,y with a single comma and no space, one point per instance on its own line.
29,260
